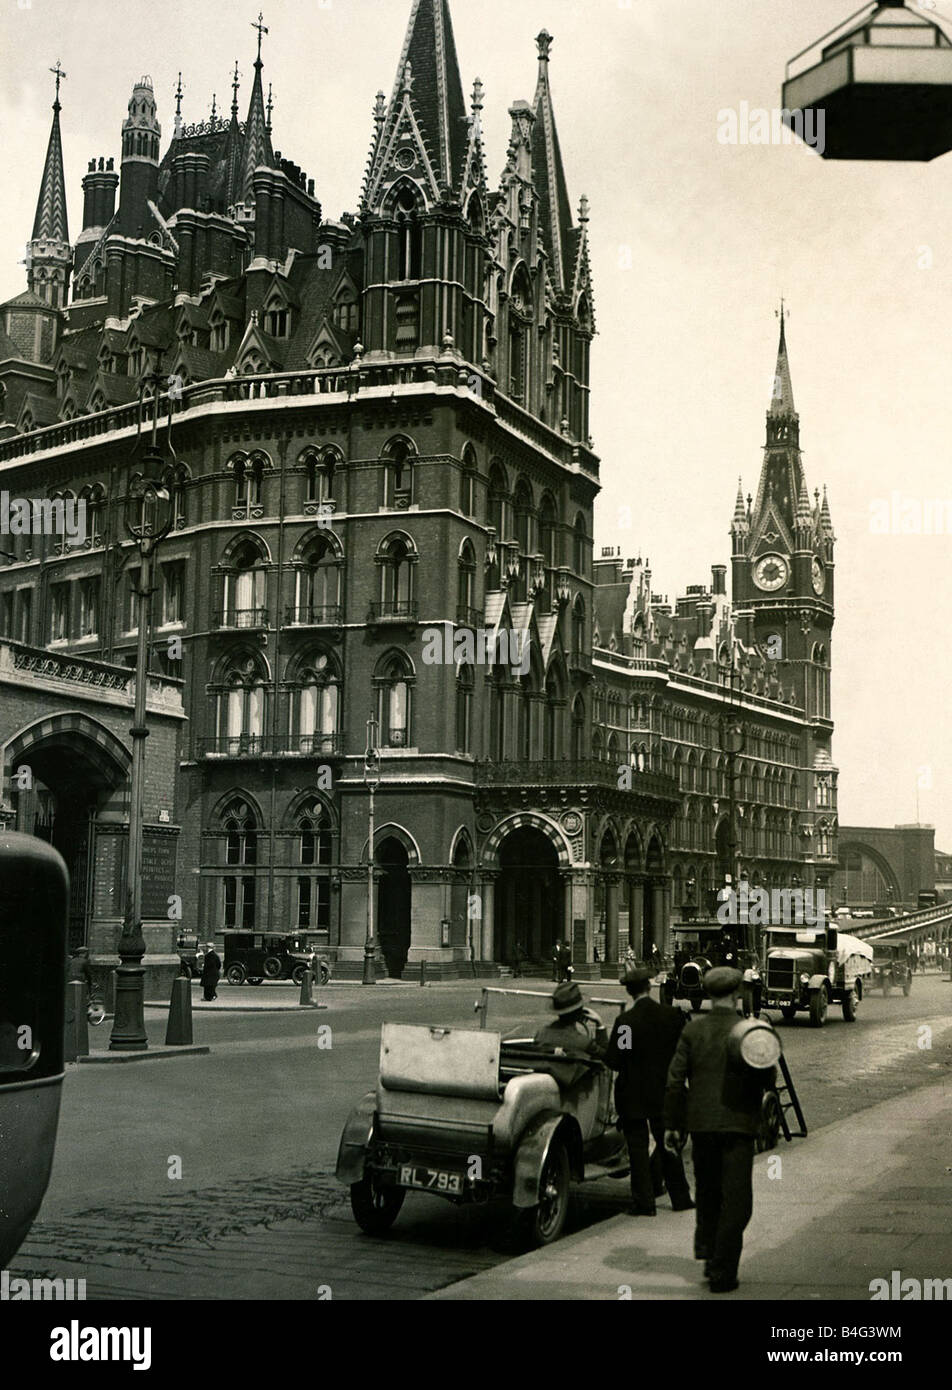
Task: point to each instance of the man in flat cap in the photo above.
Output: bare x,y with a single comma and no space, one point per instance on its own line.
718,1101
640,1049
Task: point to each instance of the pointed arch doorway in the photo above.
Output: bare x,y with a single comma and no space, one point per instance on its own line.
393,904
529,897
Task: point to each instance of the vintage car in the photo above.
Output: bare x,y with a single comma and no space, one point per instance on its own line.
469,1116
808,968
191,954
257,956
698,947
892,965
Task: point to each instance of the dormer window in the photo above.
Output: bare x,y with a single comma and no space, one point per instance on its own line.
221,334
276,323
345,311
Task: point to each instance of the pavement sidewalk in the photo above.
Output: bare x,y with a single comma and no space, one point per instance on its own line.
853,1202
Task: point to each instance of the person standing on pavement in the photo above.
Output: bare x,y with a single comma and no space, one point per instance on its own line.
640,1049
717,1100
211,970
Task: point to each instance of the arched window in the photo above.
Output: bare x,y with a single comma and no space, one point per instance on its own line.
467,482
465,683
520,317
249,473
578,626
398,474
315,705
245,579
241,850
345,309
410,236
578,728
317,584
466,615
394,681
94,500
548,544
396,559
498,497
579,545
177,481
241,707
315,852
320,467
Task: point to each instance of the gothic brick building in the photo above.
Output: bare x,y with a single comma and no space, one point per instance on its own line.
379,428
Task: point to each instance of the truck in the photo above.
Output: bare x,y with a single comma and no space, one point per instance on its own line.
808,968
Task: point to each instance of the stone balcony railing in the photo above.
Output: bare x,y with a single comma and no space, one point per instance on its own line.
573,772
368,379
100,680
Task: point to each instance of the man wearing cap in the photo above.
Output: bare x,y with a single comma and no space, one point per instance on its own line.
717,1100
642,1043
574,1029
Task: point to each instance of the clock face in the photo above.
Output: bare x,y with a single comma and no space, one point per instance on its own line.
770,572
818,575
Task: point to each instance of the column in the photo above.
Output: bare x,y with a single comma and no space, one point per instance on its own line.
611,920
659,924
636,912
488,894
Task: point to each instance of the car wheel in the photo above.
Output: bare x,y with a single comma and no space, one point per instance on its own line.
375,1208
272,968
235,974
186,970
297,974
544,1223
850,1006
818,1007
789,1012
770,1118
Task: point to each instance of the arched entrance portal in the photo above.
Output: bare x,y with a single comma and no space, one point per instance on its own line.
61,780
393,905
528,897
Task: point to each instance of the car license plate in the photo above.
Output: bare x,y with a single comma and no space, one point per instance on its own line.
431,1179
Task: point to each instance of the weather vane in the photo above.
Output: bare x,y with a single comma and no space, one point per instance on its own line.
58,70
262,29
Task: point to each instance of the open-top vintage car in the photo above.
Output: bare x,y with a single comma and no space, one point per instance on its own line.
469,1116
892,965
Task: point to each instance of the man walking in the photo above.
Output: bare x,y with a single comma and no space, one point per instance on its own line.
640,1049
716,1099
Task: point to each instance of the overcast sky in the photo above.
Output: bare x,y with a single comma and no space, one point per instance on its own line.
693,243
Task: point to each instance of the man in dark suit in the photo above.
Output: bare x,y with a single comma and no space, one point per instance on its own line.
642,1044
717,1099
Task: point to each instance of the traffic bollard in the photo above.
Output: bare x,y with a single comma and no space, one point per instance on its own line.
76,1039
179,1030
307,979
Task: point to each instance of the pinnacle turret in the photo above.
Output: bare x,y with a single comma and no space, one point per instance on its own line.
49,253
257,146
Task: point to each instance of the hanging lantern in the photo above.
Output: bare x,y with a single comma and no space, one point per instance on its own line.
878,87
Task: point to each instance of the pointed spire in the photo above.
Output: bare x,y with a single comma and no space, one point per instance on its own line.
428,80
234,94
555,210
826,520
257,147
740,511
50,222
781,402
177,129
804,514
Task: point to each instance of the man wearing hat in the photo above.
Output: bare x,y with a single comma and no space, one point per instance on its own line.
642,1043
574,1027
717,1100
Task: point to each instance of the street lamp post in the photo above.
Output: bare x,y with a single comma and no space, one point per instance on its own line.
148,520
371,781
732,741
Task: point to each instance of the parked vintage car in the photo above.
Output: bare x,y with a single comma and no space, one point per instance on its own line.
699,947
467,1115
892,966
191,954
808,968
257,956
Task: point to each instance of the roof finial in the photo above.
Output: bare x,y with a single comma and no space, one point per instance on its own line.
270,106
178,107
58,70
544,42
214,109
783,314
262,29
478,93
234,92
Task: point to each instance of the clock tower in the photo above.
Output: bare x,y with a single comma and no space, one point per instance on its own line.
783,558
